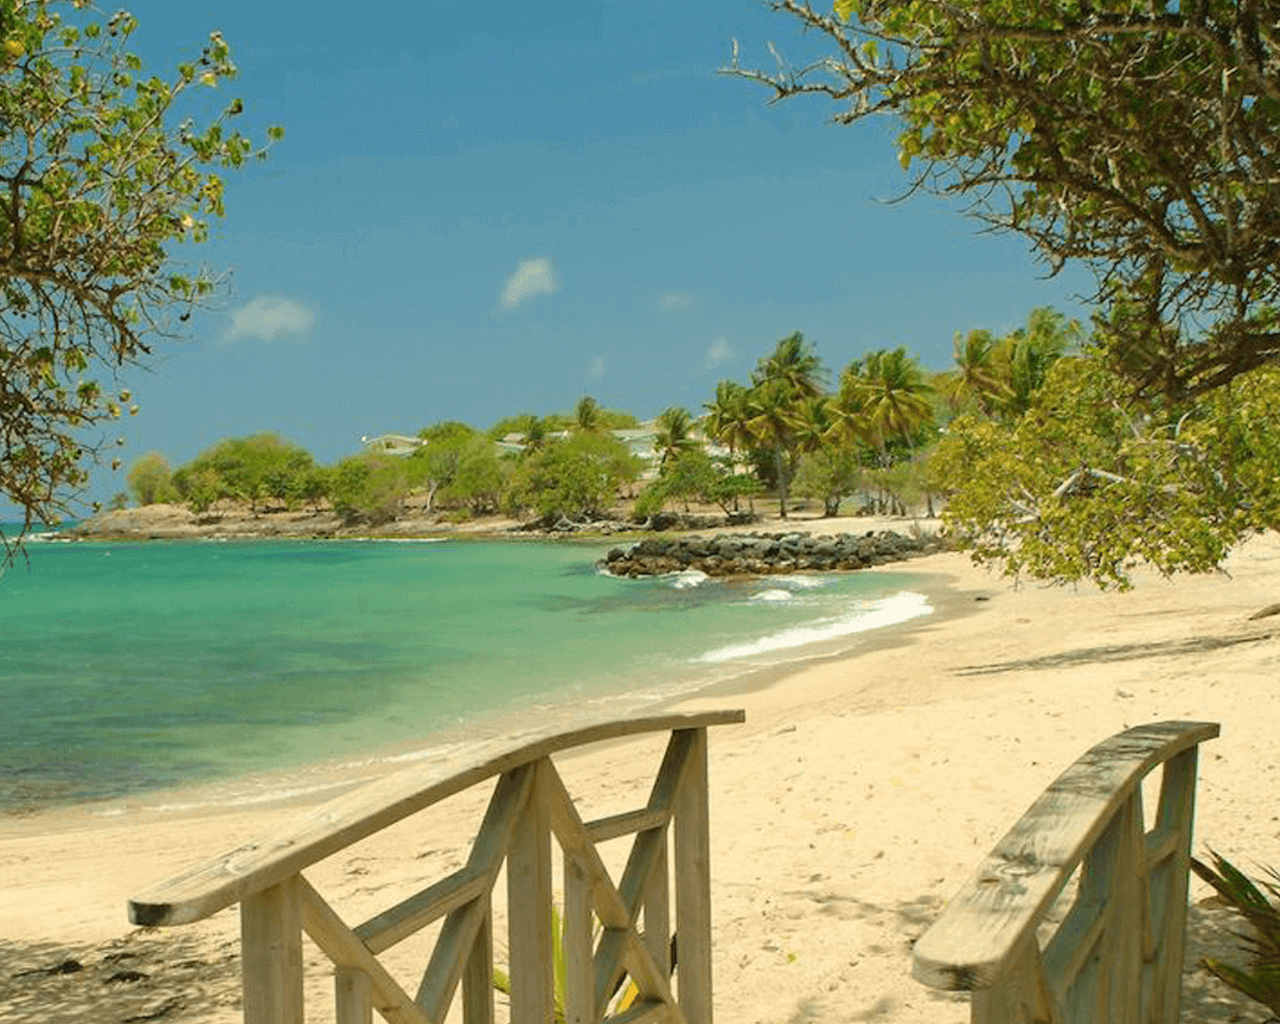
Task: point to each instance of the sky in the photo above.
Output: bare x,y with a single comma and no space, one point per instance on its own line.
482,210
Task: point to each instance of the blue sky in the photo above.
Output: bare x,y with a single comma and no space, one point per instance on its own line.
480,210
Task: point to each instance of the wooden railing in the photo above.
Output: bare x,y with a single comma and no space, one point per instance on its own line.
530,804
1113,954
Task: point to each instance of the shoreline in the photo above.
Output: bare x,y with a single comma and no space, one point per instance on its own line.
860,793
162,522
310,783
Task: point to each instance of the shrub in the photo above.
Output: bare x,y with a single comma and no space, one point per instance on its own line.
1262,983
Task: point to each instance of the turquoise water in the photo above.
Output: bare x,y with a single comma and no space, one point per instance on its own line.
130,668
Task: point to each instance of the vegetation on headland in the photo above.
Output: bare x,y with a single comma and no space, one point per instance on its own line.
1141,141
1037,463
1154,441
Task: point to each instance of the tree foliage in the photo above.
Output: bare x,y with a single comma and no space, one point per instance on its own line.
1087,486
783,382
251,469
101,179
370,487
830,473
575,477
149,480
693,475
1141,138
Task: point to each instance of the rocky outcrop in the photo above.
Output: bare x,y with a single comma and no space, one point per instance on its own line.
176,522
760,554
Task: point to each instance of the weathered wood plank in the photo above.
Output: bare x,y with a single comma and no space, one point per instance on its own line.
455,944
450,958
657,912
477,979
654,984
999,907
628,823
617,907
353,996
406,918
643,1012
692,865
207,887
340,945
529,910
579,971
271,954
1019,995
1175,815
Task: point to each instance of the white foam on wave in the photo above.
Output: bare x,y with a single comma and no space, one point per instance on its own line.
872,615
401,540
801,582
772,595
688,578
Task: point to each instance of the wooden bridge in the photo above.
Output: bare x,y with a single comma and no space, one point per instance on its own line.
1077,916
529,805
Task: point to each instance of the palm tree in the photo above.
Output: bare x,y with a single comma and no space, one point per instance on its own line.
849,413
896,395
1025,357
976,376
728,418
674,433
812,421
773,423
795,364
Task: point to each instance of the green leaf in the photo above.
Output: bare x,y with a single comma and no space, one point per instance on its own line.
845,9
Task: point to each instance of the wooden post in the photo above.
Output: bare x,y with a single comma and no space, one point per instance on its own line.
477,977
693,883
1129,918
657,913
1175,814
353,996
579,968
529,911
271,954
1019,995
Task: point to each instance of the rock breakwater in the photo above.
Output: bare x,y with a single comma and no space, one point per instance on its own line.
762,554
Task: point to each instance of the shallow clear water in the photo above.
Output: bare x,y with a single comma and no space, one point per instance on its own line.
126,668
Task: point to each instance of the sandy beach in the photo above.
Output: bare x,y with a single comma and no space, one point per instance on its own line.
854,801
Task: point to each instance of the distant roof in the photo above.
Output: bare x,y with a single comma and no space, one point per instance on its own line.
392,444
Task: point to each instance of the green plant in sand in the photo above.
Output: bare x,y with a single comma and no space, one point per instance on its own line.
502,981
1262,982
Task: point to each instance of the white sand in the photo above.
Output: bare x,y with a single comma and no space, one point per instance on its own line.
855,800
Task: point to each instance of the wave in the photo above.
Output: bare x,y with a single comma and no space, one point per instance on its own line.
801,582
871,615
688,578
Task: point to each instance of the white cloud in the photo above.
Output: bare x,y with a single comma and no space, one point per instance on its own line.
596,370
269,317
532,278
675,300
718,353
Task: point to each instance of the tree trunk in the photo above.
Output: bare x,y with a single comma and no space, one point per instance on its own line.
782,482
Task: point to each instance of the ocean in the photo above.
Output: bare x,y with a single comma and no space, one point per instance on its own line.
132,670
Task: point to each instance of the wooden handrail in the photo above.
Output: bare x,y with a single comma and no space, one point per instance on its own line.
1117,955
530,805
